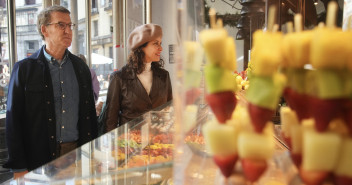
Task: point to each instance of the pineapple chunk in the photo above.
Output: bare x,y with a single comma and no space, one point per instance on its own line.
190,117
296,138
240,118
230,58
339,126
214,44
220,139
266,55
288,118
257,146
308,124
328,48
296,48
193,55
320,150
344,163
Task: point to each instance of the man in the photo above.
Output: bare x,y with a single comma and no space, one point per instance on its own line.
50,105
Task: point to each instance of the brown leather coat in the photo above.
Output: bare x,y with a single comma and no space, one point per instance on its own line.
127,98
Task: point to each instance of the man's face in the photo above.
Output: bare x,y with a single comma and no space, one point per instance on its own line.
56,36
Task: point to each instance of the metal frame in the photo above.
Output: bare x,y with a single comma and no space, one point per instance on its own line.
88,31
11,30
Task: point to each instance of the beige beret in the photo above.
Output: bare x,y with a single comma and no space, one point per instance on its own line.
143,34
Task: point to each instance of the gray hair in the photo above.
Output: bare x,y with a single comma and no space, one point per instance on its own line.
44,16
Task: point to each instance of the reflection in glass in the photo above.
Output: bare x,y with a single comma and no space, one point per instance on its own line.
4,59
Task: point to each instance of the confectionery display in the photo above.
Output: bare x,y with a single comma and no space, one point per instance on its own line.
227,128
316,125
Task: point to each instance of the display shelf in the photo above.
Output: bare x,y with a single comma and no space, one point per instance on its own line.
141,152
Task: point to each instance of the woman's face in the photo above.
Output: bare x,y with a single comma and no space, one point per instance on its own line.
152,50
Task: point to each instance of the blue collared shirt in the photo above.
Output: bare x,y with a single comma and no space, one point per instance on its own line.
66,97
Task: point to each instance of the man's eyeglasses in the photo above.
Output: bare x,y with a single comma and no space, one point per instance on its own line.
63,26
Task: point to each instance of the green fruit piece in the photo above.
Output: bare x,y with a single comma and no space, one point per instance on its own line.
192,78
265,91
219,79
296,79
331,83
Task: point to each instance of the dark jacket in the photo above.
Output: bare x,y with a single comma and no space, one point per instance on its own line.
127,98
30,116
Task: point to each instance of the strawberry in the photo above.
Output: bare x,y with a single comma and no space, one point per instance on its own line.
259,116
313,177
348,114
253,169
297,102
342,180
297,159
222,104
324,110
226,163
192,95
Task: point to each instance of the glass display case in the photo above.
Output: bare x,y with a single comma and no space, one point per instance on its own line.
142,152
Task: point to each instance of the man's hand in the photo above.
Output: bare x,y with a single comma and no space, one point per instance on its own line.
19,174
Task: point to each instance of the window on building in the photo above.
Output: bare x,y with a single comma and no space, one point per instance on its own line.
31,44
29,2
111,52
94,4
3,3
96,28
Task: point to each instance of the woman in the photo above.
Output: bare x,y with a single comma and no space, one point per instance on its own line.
142,84
95,82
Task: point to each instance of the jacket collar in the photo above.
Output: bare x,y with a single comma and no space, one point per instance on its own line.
40,57
128,73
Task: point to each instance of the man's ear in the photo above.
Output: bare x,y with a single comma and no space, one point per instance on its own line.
44,30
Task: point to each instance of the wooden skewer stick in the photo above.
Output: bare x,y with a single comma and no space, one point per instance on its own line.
212,14
331,14
219,23
271,17
275,28
298,22
289,26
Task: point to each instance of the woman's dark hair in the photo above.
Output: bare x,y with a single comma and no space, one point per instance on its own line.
136,60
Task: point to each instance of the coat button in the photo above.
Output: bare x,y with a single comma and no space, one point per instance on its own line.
53,154
88,117
88,133
52,137
48,102
50,119
46,86
87,101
